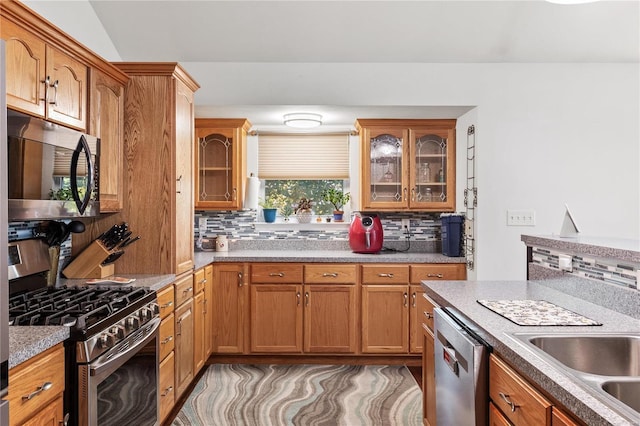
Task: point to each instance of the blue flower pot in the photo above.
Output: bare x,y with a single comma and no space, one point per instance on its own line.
269,215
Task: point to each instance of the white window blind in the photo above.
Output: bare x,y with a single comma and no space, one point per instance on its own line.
303,156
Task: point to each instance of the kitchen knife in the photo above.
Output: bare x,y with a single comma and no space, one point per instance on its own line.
112,257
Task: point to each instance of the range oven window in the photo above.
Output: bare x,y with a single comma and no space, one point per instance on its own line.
129,394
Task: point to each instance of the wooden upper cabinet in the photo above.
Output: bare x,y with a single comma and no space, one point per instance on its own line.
220,163
106,122
407,164
42,80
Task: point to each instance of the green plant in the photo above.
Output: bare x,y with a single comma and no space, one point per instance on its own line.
271,202
336,197
286,210
304,205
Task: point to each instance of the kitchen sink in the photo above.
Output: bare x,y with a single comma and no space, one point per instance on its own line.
605,355
608,364
626,391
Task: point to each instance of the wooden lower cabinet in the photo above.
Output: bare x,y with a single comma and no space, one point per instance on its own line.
385,319
184,330
202,317
428,378
330,318
45,407
560,418
496,418
518,401
166,386
230,308
276,318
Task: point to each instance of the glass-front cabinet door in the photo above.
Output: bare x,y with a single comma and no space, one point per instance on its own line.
219,164
433,169
385,184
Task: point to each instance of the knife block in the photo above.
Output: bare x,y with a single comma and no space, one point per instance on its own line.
88,264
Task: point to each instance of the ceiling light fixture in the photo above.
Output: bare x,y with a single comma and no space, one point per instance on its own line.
302,120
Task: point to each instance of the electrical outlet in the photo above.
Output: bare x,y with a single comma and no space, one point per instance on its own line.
406,225
521,218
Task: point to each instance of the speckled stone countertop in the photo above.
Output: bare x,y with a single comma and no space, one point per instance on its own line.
615,248
28,341
203,258
496,330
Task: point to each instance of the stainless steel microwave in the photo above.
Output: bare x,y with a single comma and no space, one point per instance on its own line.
52,170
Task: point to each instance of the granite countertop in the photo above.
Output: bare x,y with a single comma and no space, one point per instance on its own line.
624,249
496,330
26,342
203,258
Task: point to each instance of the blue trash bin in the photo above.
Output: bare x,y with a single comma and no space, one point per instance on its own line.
452,235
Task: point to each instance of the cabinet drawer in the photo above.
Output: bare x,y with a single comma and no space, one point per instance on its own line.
166,301
427,313
166,385
438,271
184,289
385,274
517,399
328,274
167,336
199,280
27,378
276,273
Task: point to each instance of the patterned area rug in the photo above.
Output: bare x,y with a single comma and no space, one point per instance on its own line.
303,395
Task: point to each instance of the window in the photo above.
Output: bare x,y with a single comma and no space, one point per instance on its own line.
296,166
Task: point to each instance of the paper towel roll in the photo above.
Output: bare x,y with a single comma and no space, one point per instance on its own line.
251,194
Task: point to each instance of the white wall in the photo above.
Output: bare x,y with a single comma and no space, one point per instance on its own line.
546,134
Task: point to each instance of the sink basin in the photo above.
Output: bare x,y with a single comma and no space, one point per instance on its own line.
606,363
627,392
605,355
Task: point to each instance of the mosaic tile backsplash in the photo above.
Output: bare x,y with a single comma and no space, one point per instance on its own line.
607,270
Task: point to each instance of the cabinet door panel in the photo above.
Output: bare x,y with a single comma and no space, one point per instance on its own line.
330,318
276,318
230,308
67,103
418,305
184,346
385,319
25,66
184,182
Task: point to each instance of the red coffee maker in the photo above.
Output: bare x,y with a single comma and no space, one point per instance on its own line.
365,233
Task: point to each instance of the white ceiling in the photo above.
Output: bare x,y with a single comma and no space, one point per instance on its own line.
332,31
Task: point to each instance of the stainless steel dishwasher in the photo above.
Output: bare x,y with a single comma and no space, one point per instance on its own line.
462,371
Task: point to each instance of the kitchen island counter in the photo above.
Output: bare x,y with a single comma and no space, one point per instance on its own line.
496,330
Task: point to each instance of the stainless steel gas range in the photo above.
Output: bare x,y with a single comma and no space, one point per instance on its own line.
111,357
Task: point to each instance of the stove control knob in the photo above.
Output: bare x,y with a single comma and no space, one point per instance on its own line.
146,314
133,323
117,331
105,341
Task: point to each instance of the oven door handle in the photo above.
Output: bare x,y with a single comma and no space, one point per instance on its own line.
112,360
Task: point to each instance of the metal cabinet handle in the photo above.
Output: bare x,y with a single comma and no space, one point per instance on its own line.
235,194
413,299
45,386
404,190
508,401
330,274
413,194
167,305
55,93
385,275
65,420
298,298
166,340
47,83
406,299
276,274
179,188
306,298
435,275
167,391
179,330
202,281
428,315
187,290
240,279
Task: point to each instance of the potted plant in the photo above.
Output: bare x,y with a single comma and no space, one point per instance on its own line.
286,211
303,210
338,199
269,208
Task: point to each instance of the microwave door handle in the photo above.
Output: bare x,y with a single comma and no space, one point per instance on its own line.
83,146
